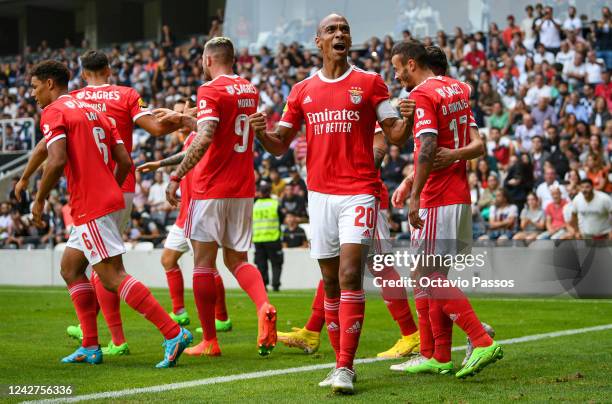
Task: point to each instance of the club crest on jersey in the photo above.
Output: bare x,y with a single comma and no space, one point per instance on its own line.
356,94
230,90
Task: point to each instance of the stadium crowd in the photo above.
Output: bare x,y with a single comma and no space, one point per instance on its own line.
542,98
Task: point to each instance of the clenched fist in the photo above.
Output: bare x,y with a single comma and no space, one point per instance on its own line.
407,108
257,121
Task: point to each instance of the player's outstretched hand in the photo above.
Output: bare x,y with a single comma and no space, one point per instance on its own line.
444,158
21,185
171,194
398,199
37,211
257,121
148,167
167,115
407,108
413,215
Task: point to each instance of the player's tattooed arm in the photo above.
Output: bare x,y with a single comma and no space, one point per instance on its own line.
424,164
196,150
39,155
56,160
380,150
276,142
154,165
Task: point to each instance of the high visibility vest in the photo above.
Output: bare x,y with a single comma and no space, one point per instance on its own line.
266,226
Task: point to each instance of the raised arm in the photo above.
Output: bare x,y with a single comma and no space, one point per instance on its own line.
398,130
167,162
276,142
201,143
39,155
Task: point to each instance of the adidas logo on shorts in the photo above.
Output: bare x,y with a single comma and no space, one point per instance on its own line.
366,234
453,316
355,328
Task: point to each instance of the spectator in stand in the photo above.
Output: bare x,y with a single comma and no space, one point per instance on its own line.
525,132
538,156
474,56
519,180
5,222
549,30
542,55
601,113
510,30
277,184
597,173
565,55
293,235
594,69
543,112
157,193
499,118
500,148
502,218
574,107
529,35
559,157
603,37
293,203
537,91
572,23
591,213
543,191
392,169
575,72
555,218
532,220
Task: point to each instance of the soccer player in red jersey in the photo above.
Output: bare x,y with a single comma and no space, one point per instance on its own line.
124,108
223,189
439,206
340,106
396,298
83,143
176,243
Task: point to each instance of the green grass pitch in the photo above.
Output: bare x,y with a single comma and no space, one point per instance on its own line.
574,368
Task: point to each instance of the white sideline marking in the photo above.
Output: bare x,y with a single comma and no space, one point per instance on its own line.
279,372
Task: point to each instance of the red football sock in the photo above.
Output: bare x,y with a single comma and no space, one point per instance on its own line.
396,300
111,309
331,307
317,315
421,302
176,286
442,330
250,280
84,301
139,297
220,306
352,309
205,293
458,308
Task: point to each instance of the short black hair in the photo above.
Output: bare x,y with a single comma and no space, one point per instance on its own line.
411,50
436,60
586,181
52,69
223,46
94,60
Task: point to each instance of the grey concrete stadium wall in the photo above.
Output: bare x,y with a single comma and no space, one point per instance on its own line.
574,268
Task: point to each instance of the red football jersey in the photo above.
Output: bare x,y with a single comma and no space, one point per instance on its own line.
340,116
123,106
443,108
226,170
186,184
90,137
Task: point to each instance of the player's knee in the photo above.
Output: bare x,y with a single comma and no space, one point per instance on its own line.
168,261
350,277
69,275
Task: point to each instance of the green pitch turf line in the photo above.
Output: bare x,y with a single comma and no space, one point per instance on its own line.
280,372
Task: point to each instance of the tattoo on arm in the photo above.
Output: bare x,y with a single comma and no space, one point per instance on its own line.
379,156
202,141
427,153
173,160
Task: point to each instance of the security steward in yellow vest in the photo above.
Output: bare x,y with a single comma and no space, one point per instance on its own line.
267,236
